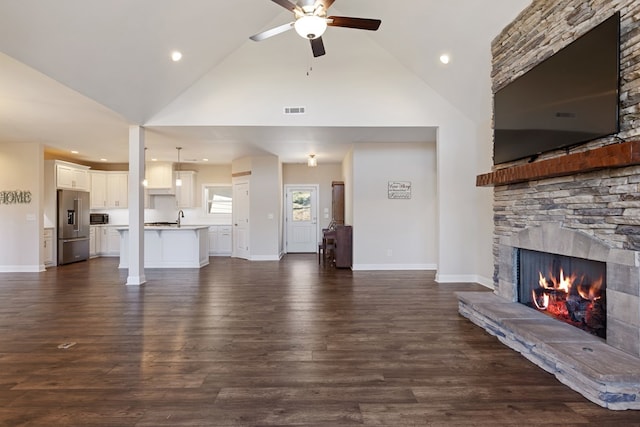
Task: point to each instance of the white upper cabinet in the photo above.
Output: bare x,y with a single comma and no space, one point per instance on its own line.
109,190
117,189
160,178
98,190
72,176
185,194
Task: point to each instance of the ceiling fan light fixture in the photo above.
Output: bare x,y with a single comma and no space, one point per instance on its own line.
310,26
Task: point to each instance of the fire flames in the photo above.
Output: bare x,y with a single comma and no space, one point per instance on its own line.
570,297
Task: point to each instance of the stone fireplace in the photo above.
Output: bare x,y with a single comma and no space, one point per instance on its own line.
622,275
582,203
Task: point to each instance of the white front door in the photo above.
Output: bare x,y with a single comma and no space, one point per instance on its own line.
302,218
240,215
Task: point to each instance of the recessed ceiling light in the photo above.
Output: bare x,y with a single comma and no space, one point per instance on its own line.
154,160
103,160
205,160
74,152
176,56
445,59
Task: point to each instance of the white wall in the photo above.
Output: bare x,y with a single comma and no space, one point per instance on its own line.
22,168
347,177
265,194
393,234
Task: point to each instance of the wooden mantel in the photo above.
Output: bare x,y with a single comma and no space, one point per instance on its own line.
610,156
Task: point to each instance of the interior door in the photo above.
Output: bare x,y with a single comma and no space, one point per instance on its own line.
240,216
302,219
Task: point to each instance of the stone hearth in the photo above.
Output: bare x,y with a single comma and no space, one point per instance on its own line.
604,375
605,372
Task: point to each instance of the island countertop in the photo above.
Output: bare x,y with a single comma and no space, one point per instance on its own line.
168,227
170,246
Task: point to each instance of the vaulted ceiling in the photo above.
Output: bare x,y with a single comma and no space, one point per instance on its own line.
74,74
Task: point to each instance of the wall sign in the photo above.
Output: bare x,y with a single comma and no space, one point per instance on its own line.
15,197
399,189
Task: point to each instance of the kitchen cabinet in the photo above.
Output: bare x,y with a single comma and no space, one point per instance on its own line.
109,190
98,195
160,178
104,240
117,189
113,237
92,241
220,240
186,192
72,176
48,246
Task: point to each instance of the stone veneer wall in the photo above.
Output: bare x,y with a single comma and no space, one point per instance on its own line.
603,204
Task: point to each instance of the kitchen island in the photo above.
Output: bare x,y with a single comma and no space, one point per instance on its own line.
170,246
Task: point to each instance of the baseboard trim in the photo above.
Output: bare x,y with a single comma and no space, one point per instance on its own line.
394,267
265,258
464,278
22,268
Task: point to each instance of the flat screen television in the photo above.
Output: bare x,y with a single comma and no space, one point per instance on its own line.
568,99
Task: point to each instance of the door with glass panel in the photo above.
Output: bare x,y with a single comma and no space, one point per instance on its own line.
302,218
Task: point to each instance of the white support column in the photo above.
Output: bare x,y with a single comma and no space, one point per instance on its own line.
136,206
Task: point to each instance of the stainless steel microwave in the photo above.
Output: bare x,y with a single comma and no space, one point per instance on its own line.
98,218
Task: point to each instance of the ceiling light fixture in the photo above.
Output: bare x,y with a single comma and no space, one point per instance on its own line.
176,56
312,162
178,180
445,59
74,152
310,26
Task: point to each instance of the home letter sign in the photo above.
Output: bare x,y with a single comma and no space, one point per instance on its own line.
14,197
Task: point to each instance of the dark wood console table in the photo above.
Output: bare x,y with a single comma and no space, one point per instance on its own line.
338,244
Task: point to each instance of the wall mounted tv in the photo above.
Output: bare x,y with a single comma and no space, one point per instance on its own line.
568,99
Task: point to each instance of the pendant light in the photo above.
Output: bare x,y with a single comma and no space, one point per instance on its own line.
178,179
144,181
312,162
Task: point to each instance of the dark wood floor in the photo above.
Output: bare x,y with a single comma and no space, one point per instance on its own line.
262,343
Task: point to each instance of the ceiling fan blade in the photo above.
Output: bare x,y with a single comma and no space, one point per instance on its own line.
317,46
286,4
359,23
272,32
325,3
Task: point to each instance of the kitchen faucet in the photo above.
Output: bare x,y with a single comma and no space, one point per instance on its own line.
180,215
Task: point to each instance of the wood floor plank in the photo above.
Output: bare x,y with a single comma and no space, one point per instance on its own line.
241,343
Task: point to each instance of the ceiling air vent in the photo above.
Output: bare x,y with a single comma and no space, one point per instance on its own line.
294,110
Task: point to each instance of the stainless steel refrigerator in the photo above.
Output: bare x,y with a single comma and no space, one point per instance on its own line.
73,226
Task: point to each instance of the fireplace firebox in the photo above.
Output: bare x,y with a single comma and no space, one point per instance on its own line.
569,289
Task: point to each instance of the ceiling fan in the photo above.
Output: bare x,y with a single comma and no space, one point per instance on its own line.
311,21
